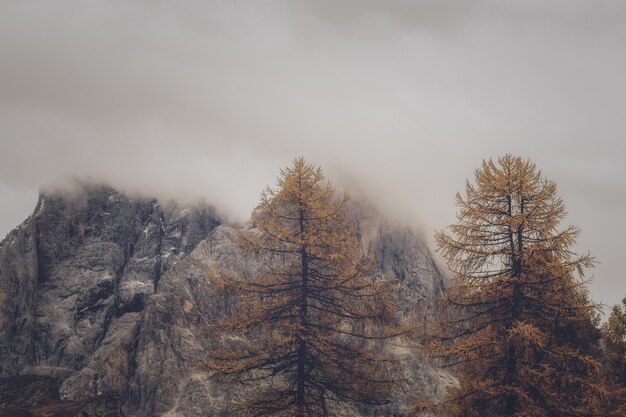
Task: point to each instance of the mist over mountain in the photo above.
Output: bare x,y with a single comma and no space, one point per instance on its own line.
205,100
105,303
187,111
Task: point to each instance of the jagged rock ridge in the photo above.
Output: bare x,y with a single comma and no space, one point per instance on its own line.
108,295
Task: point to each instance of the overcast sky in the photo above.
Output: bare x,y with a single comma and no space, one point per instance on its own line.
399,100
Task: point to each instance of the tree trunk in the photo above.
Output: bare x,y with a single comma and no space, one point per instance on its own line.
302,348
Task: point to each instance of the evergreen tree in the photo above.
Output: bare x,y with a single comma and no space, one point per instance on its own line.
307,331
614,336
519,323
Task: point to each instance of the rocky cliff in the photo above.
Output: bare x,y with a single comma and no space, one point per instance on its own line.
105,299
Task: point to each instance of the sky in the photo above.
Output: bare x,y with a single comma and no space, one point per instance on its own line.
398,101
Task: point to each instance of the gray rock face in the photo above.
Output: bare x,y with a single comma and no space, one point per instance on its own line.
108,294
74,280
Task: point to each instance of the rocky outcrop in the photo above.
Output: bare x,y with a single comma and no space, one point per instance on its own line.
109,296
74,280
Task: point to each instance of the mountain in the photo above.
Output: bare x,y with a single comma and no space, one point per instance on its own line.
105,305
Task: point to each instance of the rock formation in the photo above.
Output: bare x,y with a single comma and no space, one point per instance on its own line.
105,301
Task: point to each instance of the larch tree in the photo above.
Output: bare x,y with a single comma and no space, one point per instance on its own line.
614,337
307,329
518,323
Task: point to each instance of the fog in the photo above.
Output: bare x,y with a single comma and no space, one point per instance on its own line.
398,101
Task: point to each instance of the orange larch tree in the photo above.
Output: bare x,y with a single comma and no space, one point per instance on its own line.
519,325
307,330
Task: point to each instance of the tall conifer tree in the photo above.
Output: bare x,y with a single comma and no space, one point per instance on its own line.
307,329
519,324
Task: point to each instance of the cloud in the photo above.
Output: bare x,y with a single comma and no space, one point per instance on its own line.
399,99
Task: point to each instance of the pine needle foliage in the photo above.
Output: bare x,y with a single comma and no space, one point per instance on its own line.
614,336
519,325
307,331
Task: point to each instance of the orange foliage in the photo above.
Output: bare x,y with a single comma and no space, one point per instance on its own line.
307,329
518,324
